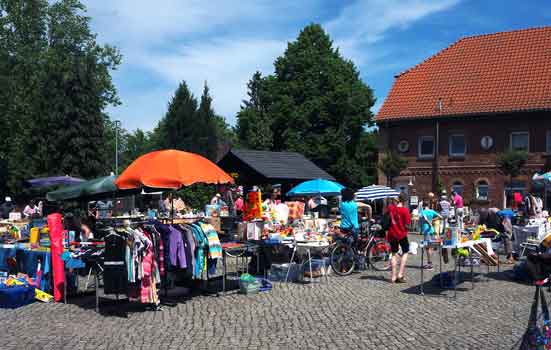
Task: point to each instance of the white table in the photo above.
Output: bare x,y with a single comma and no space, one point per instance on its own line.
469,245
308,247
523,233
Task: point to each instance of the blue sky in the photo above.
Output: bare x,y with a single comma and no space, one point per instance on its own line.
224,42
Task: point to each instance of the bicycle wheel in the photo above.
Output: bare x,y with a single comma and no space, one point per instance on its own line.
342,259
378,255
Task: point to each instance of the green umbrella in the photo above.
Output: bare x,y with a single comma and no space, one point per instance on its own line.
100,187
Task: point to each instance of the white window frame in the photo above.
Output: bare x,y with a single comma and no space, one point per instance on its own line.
420,142
519,133
450,148
548,143
487,190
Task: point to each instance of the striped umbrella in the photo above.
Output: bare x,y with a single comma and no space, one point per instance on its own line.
373,192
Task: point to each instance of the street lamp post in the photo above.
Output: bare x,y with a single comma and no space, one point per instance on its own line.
117,126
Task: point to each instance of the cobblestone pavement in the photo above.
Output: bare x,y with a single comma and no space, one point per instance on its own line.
361,311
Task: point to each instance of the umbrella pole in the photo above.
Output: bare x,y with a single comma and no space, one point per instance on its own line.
172,207
545,195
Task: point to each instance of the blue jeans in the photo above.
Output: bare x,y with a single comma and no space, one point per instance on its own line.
354,231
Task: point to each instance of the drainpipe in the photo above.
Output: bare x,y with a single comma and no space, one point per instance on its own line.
435,163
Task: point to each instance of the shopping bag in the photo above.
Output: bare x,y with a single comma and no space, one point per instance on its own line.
536,338
544,340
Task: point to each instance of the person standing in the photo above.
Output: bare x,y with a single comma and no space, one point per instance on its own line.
457,201
427,217
444,207
398,237
432,201
30,210
40,209
6,208
87,226
239,205
216,200
318,204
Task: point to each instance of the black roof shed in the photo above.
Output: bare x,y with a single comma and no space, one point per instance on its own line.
265,167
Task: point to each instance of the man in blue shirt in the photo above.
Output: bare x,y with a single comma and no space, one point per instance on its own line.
427,217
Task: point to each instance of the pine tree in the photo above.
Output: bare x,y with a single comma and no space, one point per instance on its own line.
207,128
177,129
253,121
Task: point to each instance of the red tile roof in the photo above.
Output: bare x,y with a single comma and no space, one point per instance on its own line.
484,74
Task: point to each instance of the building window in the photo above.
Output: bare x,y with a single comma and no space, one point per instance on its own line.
548,142
426,147
457,187
510,190
482,190
520,141
458,147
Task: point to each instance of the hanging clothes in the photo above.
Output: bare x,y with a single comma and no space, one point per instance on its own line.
215,248
115,276
201,249
189,246
176,251
148,288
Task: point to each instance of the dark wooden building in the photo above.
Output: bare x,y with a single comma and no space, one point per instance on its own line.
451,115
250,167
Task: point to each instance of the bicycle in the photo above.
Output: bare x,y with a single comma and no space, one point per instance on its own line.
370,245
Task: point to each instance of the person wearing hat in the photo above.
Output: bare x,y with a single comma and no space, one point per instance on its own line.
6,208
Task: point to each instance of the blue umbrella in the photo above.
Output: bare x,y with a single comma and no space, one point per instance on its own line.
54,181
373,192
316,187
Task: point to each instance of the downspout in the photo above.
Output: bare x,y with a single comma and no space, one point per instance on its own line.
435,163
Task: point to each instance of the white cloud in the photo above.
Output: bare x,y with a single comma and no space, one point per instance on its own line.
226,65
364,23
224,42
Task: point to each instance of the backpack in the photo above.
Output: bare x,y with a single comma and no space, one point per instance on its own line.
385,222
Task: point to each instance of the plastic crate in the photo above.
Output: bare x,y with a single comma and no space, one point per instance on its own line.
278,272
16,296
249,287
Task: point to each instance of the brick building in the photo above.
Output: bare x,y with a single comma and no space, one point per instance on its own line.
451,115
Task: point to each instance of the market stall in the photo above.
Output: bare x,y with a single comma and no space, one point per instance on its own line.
468,250
25,263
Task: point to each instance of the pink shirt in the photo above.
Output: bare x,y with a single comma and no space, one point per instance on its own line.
458,201
239,205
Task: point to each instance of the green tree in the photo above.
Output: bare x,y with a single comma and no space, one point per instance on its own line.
512,162
23,41
253,120
190,126
59,85
136,144
206,126
392,165
178,128
317,105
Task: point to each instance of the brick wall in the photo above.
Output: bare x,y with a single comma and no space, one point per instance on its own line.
477,164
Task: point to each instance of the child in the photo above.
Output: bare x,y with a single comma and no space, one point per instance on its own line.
427,216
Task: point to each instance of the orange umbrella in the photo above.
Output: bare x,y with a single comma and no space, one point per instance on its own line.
171,169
